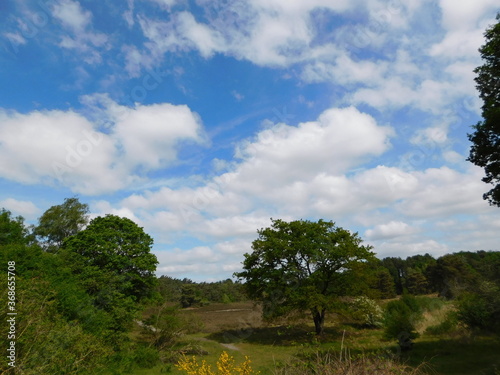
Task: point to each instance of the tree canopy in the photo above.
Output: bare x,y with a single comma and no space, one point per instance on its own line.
117,245
62,221
485,150
12,229
112,259
302,265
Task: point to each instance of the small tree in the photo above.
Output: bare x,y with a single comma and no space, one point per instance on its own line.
400,319
62,221
302,265
366,312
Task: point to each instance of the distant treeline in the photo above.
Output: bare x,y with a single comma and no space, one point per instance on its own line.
189,293
448,275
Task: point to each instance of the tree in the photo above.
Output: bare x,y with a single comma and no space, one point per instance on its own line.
452,275
485,150
12,229
397,269
400,320
112,259
385,284
62,221
302,265
416,283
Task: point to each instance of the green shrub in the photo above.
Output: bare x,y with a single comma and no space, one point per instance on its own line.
473,310
146,357
400,319
366,312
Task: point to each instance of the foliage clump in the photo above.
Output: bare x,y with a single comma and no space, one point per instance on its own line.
225,366
366,312
400,320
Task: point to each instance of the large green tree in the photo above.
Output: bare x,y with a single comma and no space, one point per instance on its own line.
302,265
485,150
112,258
62,221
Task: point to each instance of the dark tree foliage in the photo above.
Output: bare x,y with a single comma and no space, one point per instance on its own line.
400,320
60,222
112,260
50,310
452,275
117,247
12,229
302,265
416,282
397,268
385,284
485,149
411,274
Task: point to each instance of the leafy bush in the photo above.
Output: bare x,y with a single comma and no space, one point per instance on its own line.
400,319
146,357
481,310
225,366
366,311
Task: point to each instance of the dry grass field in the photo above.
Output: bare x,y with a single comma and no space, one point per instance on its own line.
238,329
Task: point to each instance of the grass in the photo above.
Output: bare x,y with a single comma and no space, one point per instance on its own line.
239,330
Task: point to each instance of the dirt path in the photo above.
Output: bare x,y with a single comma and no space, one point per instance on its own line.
231,347
227,346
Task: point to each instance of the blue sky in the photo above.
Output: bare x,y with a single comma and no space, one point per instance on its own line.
201,120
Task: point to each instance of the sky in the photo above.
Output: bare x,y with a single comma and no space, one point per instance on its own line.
202,120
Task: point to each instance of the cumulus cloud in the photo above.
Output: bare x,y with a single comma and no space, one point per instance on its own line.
337,141
26,209
389,230
63,147
149,134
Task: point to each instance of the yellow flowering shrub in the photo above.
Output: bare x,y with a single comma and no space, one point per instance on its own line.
225,366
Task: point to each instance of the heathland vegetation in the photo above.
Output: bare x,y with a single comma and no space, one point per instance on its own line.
310,299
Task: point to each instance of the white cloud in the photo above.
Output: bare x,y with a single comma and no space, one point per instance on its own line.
41,147
166,4
465,24
411,248
337,141
26,209
78,22
467,14
233,226
71,14
267,33
444,192
64,147
149,134
391,230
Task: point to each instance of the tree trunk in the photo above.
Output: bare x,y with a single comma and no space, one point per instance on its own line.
319,320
